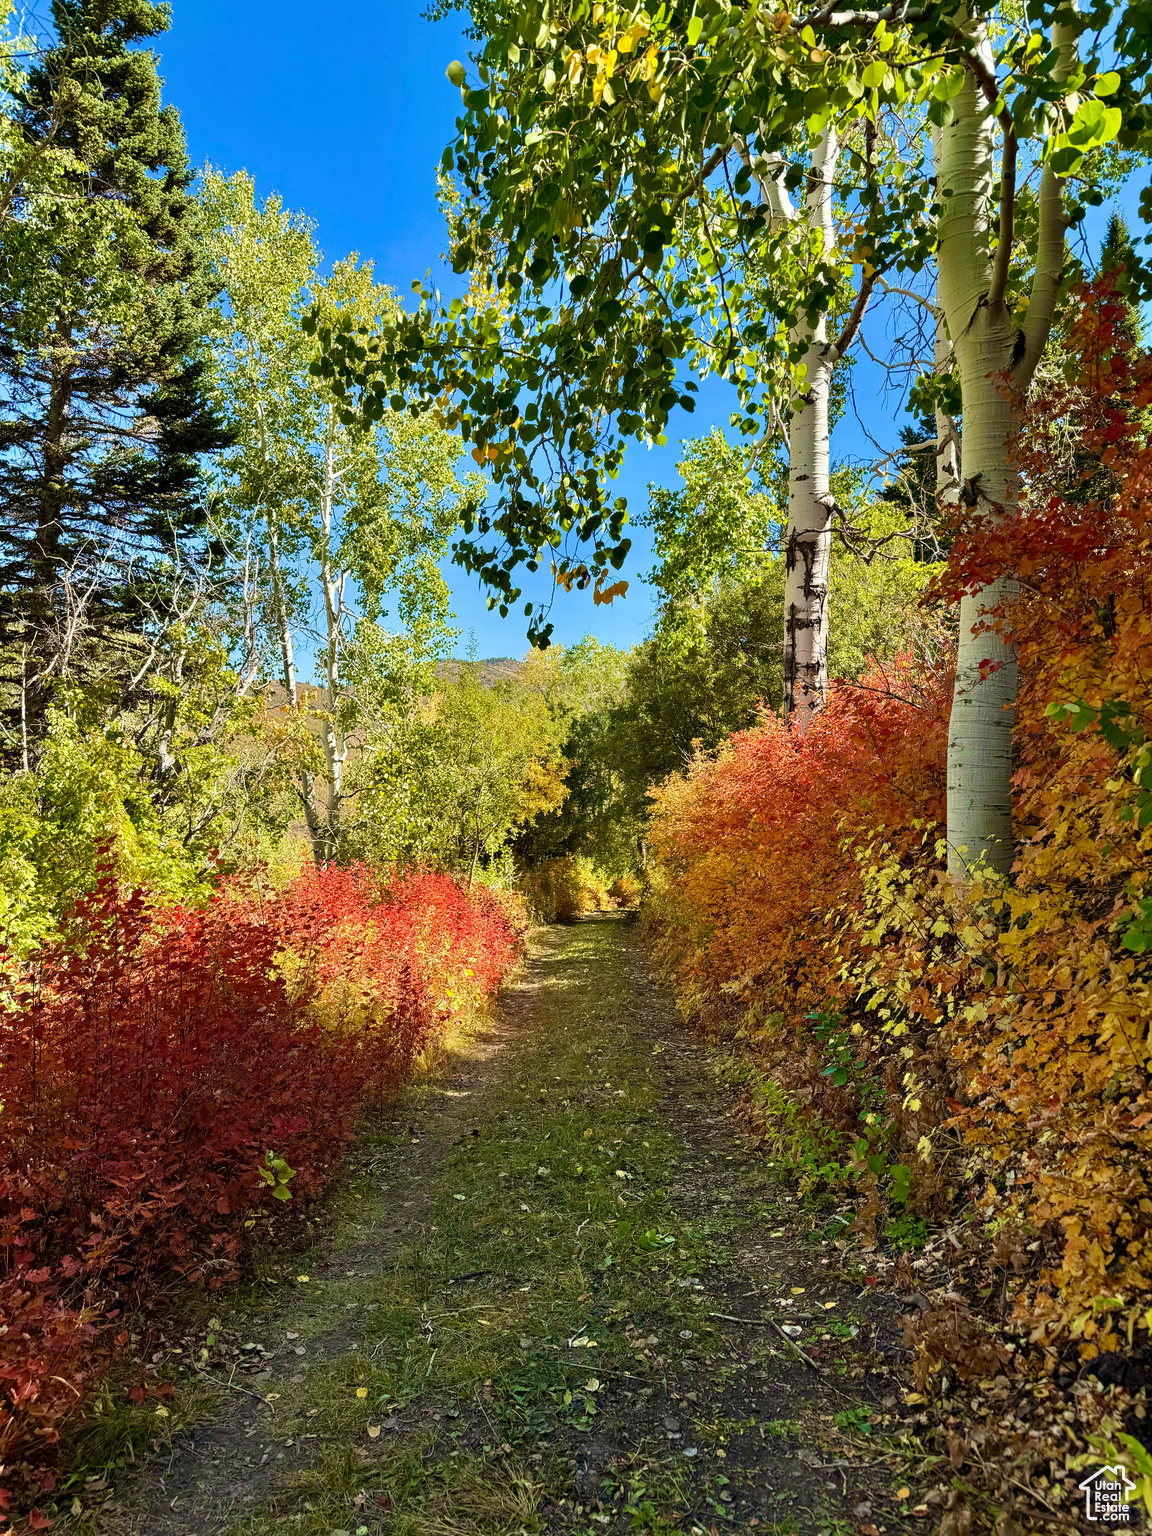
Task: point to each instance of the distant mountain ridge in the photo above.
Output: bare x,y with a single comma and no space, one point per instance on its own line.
493,669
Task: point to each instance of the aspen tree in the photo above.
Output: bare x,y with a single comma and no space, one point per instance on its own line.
607,155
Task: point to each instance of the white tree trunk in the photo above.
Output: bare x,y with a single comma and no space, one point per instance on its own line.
948,463
980,730
335,745
808,539
995,360
305,786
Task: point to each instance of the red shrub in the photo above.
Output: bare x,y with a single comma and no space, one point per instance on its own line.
159,1060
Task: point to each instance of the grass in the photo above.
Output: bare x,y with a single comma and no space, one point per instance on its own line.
559,1210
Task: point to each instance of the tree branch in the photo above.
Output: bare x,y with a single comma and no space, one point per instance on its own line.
985,78
908,293
1050,235
846,337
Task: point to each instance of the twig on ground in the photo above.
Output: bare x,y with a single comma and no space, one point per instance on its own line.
770,1322
231,1385
807,1359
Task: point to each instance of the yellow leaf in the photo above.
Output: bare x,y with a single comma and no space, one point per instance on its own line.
373,1431
629,39
361,1391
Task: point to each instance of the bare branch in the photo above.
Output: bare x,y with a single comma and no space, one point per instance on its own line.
908,293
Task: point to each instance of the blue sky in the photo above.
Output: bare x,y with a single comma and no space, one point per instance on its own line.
344,110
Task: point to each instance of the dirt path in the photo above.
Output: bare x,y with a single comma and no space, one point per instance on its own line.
564,1295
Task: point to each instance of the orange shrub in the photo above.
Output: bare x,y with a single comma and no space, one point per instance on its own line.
751,844
1000,1046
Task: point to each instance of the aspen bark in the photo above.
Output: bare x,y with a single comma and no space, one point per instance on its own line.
45,555
305,786
948,460
808,539
995,359
335,745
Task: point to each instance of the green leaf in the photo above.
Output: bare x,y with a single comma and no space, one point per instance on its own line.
1093,125
456,73
695,27
1107,84
874,73
1077,714
949,85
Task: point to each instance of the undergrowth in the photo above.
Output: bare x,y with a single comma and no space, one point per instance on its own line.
558,1297
175,1080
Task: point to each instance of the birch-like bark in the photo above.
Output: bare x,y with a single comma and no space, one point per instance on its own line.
995,361
808,539
335,744
948,462
305,786
46,548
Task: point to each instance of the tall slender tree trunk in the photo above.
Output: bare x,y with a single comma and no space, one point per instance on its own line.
808,540
948,453
335,744
980,729
305,784
996,360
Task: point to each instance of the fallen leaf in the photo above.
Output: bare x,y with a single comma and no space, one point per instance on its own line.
302,1279
903,1493
797,1290
373,1431
361,1391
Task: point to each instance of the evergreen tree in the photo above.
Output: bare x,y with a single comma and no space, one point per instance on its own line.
1118,257
103,293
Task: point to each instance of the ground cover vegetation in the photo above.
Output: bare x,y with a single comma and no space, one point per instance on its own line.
877,778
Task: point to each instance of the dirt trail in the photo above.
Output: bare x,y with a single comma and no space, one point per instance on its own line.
567,1297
